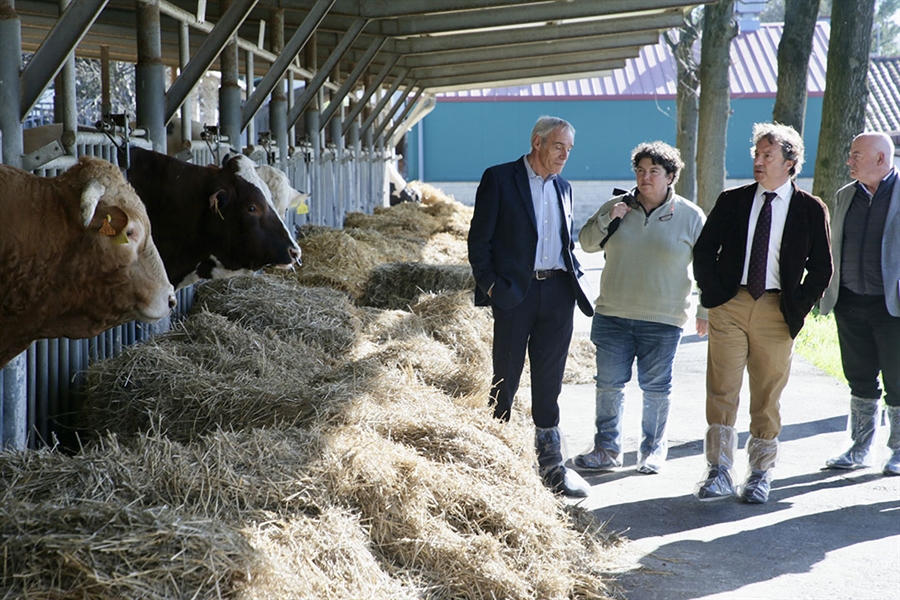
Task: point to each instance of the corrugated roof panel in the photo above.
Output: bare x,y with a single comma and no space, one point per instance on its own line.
883,108
653,73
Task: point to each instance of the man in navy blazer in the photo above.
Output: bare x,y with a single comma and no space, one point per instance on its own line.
865,296
757,303
521,251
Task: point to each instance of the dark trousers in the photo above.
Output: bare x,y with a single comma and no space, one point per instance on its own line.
542,325
870,343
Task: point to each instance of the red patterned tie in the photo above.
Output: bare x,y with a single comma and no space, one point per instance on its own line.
759,251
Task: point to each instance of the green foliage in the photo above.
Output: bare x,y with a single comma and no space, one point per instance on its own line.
886,28
818,343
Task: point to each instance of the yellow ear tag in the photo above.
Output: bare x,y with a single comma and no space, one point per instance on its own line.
302,208
122,238
106,228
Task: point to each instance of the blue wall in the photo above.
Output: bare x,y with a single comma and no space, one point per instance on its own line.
460,139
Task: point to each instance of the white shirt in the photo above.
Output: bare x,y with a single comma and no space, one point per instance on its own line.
780,206
548,218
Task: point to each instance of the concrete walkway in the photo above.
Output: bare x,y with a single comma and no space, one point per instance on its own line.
823,533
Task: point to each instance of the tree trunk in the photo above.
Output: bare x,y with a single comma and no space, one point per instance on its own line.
793,62
719,28
686,103
844,104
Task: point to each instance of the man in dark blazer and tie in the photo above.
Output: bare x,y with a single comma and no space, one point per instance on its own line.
759,283
521,251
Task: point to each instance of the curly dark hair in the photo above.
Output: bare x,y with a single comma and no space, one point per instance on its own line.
660,153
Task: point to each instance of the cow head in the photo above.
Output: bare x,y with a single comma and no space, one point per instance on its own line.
79,256
245,224
115,255
284,196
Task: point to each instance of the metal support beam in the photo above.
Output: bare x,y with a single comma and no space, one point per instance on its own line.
10,84
351,80
230,96
281,64
316,83
371,88
384,100
209,50
150,74
73,24
407,111
278,102
187,107
400,102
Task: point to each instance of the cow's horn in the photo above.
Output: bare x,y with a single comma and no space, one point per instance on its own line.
90,197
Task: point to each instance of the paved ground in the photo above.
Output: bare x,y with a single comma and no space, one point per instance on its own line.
823,533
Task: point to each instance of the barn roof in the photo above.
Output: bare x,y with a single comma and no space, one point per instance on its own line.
883,108
754,72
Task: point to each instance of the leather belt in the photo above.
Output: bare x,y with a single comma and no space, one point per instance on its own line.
768,291
542,275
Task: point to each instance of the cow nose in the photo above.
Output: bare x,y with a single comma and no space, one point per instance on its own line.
295,253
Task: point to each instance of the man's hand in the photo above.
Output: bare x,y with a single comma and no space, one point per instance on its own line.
702,326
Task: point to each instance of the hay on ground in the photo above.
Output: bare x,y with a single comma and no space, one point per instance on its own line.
398,285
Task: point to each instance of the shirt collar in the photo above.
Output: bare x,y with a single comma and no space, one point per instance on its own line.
784,191
532,174
892,174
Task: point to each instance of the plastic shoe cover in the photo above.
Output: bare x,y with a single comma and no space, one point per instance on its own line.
654,445
716,486
650,464
566,482
756,489
892,466
863,419
600,459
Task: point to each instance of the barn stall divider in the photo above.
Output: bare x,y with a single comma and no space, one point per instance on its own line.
41,390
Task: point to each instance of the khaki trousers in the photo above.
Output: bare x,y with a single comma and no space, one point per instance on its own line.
751,334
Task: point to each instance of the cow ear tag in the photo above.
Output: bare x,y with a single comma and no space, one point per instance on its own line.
302,208
106,228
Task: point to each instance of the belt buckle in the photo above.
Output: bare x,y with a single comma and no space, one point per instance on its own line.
540,275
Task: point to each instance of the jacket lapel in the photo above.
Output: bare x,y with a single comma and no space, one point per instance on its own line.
521,177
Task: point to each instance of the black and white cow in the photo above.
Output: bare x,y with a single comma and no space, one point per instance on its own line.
210,222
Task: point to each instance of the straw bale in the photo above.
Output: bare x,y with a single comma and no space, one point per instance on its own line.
317,316
454,216
435,483
322,556
394,248
210,373
445,249
407,219
398,285
112,550
335,259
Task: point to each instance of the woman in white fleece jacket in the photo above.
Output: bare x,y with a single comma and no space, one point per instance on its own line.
643,302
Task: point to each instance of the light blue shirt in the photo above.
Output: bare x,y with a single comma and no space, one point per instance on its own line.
548,218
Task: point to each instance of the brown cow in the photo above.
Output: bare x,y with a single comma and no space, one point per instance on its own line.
76,257
210,222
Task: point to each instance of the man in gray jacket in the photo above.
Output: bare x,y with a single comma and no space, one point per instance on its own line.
865,295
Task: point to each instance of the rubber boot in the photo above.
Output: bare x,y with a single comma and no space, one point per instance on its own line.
762,455
863,420
551,466
654,444
720,445
892,466
608,437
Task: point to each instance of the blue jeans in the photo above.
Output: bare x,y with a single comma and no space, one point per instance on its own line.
619,342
